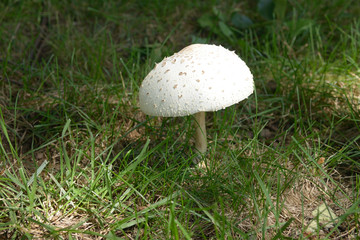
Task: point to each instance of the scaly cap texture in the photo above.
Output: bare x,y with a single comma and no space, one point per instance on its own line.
199,78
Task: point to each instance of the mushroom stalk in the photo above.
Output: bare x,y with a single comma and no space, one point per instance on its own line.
200,134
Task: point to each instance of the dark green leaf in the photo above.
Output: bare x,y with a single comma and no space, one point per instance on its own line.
266,8
206,21
225,29
241,21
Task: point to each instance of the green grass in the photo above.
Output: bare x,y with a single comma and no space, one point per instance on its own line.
78,158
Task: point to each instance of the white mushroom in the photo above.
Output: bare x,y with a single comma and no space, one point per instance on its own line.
197,79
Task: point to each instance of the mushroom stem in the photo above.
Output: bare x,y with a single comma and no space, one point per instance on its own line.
200,134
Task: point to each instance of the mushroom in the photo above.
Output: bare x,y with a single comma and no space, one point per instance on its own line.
197,79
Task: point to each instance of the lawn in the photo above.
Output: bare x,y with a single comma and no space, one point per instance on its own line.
80,160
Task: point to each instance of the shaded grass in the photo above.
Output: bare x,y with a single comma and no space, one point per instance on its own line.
79,159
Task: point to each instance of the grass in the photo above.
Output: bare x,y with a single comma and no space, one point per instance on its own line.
78,158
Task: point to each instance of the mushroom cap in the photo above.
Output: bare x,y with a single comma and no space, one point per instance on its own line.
199,78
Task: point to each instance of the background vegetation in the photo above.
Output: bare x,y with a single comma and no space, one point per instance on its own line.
78,159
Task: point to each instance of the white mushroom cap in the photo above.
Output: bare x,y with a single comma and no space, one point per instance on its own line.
199,78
